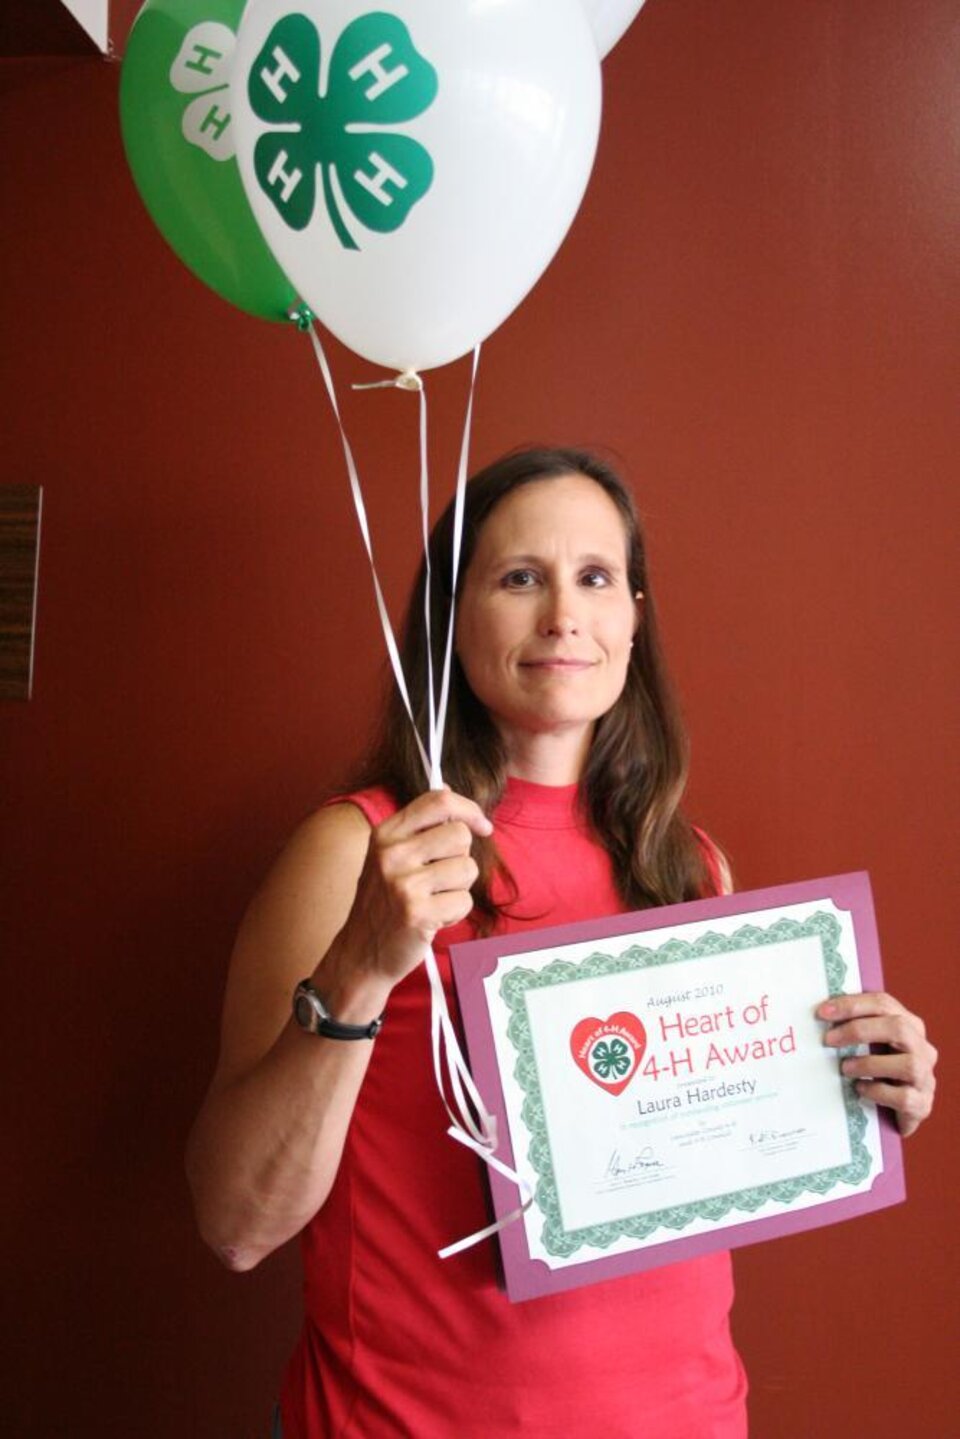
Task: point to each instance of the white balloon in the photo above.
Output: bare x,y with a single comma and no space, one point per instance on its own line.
609,19
417,191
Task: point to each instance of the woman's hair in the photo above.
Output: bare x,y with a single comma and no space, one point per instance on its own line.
636,768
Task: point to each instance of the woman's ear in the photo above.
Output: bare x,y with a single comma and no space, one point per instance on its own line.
638,598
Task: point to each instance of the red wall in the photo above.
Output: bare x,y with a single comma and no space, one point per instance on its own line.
757,308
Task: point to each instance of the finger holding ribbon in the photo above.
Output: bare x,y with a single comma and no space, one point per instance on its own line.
416,879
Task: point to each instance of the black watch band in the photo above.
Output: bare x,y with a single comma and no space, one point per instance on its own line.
312,1014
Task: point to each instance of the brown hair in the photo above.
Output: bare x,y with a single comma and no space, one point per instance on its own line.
636,769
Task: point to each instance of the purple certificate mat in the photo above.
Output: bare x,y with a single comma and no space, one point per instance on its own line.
528,1277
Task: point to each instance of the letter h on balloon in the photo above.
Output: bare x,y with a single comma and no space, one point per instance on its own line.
273,79
288,179
372,64
201,57
376,183
216,120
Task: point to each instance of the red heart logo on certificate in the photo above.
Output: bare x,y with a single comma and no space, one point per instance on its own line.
609,1051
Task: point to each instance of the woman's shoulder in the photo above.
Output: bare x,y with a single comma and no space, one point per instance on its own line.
718,866
375,803
339,827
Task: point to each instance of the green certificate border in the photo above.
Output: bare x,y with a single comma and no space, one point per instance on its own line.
514,988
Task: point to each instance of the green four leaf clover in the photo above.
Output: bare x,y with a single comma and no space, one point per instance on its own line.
377,78
610,1060
201,67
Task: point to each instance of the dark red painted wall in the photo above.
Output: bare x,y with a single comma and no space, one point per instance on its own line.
757,307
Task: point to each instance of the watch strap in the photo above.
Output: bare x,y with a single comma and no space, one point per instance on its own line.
321,1021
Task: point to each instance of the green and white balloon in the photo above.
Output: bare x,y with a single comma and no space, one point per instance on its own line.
176,114
415,166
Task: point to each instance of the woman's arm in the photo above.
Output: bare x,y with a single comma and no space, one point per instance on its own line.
899,1071
354,909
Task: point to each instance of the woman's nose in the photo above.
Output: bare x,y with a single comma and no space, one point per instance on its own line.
559,613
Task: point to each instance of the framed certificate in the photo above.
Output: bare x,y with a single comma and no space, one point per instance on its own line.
660,1082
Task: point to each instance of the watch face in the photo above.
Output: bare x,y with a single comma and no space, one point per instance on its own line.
305,1012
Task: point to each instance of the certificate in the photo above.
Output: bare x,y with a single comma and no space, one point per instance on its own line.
660,1082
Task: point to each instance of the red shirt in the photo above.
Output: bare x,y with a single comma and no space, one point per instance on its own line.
397,1342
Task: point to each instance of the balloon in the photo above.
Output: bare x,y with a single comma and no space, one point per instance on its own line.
609,19
413,164
178,133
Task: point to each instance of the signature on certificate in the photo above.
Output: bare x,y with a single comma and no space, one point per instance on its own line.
620,1166
776,1138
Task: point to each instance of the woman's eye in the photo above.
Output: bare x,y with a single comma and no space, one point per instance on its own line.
595,579
519,579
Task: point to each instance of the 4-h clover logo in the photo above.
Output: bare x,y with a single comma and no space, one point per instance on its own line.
376,79
609,1051
202,68
611,1060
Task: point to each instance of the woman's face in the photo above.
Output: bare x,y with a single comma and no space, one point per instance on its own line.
547,616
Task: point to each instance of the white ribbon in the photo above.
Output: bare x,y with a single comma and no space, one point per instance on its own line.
357,493
471,1124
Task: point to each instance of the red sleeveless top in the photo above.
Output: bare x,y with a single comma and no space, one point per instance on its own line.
399,1344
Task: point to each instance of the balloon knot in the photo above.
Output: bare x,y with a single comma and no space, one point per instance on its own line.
302,317
405,380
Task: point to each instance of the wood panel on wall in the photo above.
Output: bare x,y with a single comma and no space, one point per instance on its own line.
20,507
757,309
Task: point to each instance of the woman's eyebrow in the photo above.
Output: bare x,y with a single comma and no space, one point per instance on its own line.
506,561
607,562
497,564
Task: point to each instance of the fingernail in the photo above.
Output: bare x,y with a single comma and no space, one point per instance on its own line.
827,1010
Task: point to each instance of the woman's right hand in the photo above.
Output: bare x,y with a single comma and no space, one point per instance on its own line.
354,909
416,879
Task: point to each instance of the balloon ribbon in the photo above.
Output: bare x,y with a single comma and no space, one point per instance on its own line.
471,1124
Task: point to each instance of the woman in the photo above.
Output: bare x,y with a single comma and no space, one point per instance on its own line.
566,764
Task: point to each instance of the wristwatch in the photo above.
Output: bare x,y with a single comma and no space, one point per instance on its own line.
312,1014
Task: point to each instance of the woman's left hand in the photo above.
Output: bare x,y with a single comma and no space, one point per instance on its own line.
899,1070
